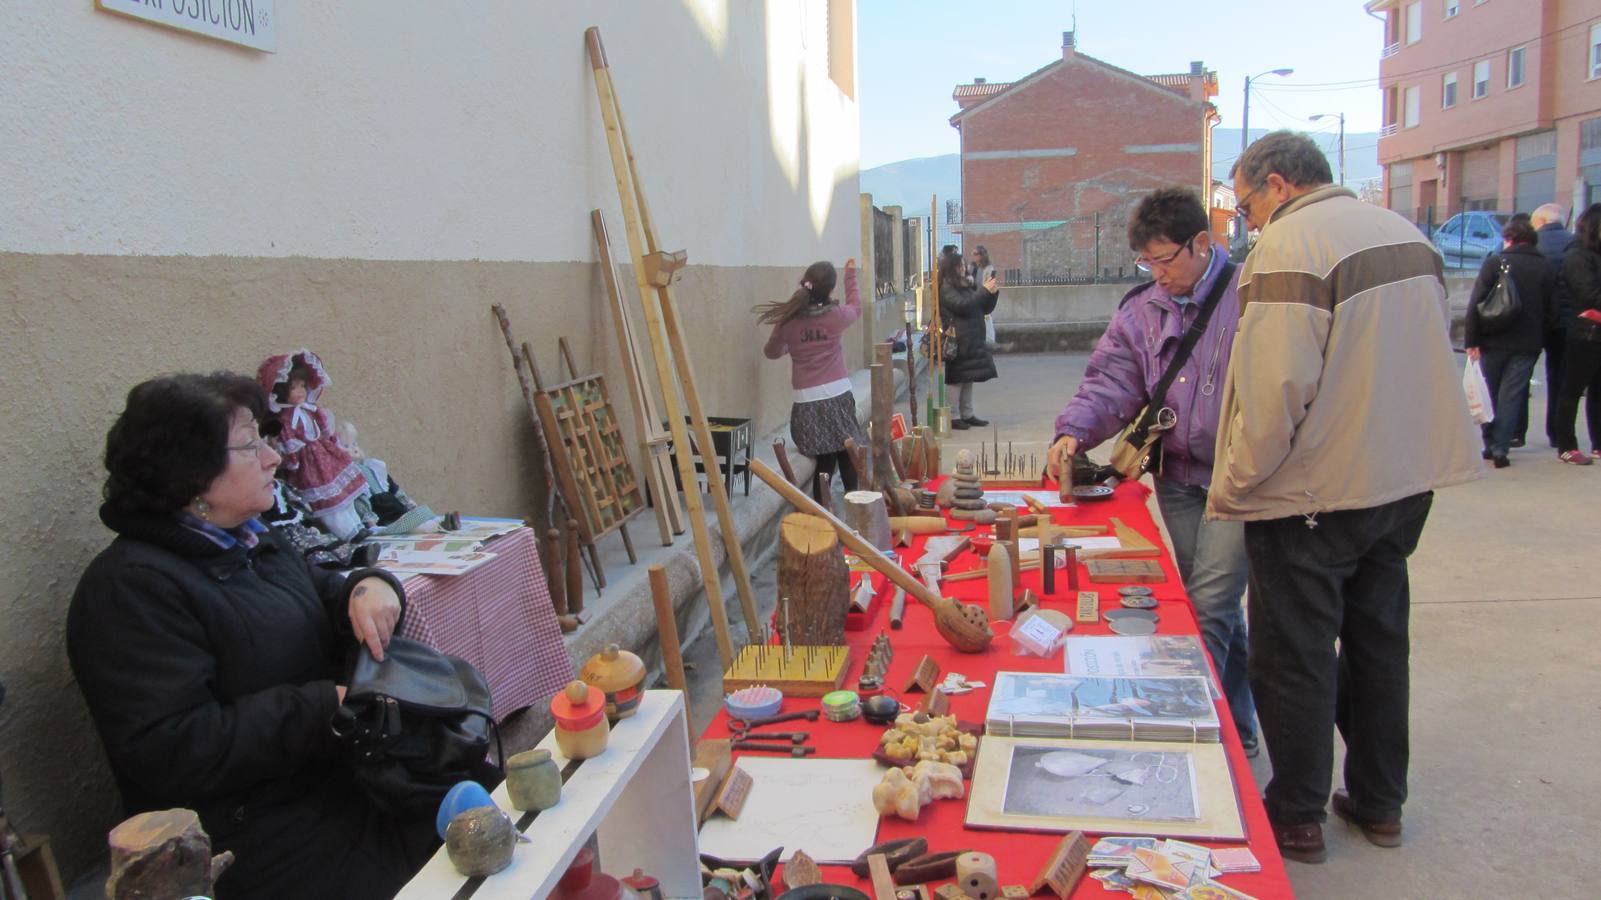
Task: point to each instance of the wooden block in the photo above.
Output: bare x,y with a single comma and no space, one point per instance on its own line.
661,266
734,791
951,892
1132,545
803,671
37,867
937,703
925,677
1089,607
999,565
975,875
883,884
716,757
1014,892
1066,866
1119,571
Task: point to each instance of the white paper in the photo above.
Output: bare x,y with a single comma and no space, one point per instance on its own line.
1032,545
1049,498
415,562
822,806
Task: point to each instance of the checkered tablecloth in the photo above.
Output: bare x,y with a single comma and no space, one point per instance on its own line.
498,617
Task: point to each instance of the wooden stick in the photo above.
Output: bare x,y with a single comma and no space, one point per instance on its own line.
781,453
575,580
652,440
553,563
956,622
661,329
567,357
667,629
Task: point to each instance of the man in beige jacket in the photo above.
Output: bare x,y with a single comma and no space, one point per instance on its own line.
1342,412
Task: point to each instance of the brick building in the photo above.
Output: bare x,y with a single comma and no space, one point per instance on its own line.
1052,164
1489,105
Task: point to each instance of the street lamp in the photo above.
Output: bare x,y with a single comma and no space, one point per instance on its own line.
1245,115
1341,117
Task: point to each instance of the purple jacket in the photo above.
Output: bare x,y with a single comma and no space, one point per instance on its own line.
1129,360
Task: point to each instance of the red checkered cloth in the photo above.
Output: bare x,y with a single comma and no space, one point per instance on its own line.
498,617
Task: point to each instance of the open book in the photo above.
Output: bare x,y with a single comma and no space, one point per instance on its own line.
1041,704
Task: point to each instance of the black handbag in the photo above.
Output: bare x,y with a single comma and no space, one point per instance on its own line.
1500,308
415,725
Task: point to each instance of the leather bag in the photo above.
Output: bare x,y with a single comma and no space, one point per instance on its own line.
1501,308
415,725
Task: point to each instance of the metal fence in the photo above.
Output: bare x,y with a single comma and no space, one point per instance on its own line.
1090,249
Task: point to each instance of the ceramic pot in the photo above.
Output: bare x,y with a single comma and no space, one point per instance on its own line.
480,841
533,780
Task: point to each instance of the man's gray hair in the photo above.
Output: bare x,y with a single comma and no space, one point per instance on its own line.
1287,154
1547,213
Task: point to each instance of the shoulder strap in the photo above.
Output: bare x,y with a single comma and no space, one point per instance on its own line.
1191,338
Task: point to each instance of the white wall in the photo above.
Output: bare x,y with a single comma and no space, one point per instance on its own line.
423,131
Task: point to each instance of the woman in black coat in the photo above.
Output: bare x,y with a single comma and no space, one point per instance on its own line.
209,652
1508,354
1582,373
964,306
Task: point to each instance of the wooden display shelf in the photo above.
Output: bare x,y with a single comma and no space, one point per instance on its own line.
797,671
637,795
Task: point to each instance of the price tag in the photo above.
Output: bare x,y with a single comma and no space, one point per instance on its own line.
1065,867
732,795
924,677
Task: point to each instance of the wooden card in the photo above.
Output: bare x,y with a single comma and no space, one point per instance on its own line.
924,677
1089,607
937,703
1119,571
736,788
1066,866
715,755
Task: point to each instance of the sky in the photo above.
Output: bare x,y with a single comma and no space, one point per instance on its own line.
912,53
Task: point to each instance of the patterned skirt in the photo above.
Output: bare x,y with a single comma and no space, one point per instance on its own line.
823,426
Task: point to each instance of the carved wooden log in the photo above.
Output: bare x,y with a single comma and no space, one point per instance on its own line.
813,580
865,511
162,854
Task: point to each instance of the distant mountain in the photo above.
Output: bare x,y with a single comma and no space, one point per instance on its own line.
911,182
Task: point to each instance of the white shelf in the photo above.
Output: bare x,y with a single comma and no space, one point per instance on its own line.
637,796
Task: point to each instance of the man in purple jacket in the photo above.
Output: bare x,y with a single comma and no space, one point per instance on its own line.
1169,234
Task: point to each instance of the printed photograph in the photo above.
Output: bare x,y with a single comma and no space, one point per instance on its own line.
1139,785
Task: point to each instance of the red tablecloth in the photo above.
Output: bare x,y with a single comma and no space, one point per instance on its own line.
498,617
1020,855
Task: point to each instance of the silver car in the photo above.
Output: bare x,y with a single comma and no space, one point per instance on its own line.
1468,237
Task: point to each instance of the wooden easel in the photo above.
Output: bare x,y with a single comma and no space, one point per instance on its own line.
653,441
654,270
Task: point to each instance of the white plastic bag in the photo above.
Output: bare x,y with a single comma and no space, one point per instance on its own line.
989,332
1480,404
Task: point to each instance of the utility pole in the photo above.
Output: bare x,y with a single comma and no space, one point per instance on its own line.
1341,156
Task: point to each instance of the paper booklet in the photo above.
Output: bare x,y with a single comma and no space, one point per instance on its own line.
1136,656
1041,704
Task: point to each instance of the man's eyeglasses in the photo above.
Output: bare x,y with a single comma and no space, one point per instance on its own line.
1147,264
1244,203
256,446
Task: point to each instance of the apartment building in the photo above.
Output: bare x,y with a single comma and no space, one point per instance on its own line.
1489,105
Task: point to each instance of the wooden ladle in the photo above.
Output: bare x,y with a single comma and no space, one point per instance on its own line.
963,625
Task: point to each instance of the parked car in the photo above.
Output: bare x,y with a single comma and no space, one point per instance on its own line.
1468,237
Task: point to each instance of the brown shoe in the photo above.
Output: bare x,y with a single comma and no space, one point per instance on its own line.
1302,843
1379,833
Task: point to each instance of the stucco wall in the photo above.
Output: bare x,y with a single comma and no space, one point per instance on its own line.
176,203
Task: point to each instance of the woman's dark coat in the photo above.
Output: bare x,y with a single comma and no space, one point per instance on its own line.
965,307
210,673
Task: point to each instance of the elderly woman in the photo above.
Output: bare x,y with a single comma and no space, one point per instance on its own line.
1171,239
209,652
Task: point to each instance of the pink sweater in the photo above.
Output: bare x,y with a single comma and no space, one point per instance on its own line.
812,340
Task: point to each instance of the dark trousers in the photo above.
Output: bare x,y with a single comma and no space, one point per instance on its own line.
1344,579
1583,374
1507,372
1556,347
826,463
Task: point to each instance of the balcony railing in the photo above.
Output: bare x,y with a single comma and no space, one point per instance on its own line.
1390,50
1389,130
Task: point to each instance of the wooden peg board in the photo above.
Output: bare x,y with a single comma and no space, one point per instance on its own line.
804,671
597,452
1121,571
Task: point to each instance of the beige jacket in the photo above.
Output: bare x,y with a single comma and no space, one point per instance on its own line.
1342,392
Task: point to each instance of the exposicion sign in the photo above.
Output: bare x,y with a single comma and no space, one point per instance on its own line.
246,22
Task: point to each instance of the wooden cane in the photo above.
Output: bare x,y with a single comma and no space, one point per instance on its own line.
667,629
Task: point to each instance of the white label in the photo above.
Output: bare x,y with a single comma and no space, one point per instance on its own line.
1036,634
245,22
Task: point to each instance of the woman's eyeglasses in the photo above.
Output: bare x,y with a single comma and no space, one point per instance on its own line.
1146,263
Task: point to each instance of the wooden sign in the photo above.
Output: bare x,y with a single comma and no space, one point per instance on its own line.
1089,607
248,23
924,677
715,755
938,703
1119,571
1066,866
736,788
883,884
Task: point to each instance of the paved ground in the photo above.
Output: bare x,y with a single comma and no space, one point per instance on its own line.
1506,747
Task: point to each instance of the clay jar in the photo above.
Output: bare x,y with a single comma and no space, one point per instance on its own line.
480,841
581,727
618,673
533,780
